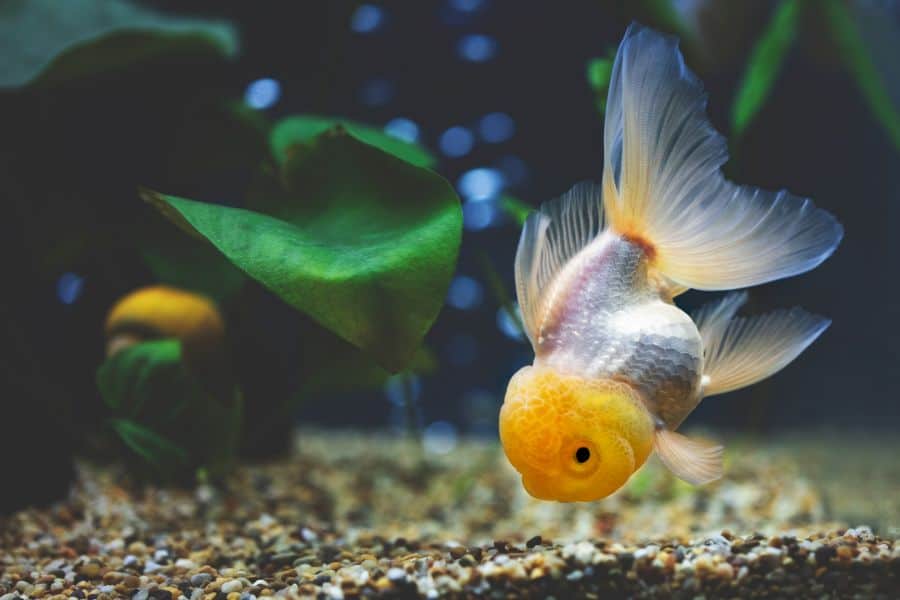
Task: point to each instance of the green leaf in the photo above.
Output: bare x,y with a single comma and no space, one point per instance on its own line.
364,243
516,209
44,42
149,374
149,390
166,457
599,72
860,64
764,65
188,263
335,365
295,132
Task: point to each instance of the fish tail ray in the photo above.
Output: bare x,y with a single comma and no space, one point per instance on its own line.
740,351
663,186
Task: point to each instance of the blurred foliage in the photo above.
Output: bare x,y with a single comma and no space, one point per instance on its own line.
108,96
364,243
860,65
165,415
515,208
764,65
294,133
780,35
599,72
43,42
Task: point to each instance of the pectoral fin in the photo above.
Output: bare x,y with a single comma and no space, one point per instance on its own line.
691,460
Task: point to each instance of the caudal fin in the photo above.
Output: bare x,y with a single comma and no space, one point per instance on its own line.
739,351
662,182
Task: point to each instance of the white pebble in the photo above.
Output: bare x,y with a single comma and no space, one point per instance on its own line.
151,567
234,585
396,574
160,555
185,563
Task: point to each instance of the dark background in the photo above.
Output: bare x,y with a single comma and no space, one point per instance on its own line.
816,136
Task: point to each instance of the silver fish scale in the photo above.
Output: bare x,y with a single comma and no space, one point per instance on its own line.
608,321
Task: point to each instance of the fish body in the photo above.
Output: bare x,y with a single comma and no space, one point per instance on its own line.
612,320
618,366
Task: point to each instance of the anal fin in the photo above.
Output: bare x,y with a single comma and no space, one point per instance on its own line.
693,461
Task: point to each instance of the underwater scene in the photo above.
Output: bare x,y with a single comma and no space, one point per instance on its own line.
450,298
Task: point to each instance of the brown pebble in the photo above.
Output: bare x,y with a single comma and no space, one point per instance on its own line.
113,577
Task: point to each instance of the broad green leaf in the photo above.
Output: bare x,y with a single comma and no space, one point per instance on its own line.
187,263
44,42
860,64
364,243
295,132
166,457
334,365
516,209
764,65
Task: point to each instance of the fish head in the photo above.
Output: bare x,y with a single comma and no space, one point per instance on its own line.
573,439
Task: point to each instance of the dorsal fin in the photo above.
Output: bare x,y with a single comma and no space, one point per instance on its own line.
550,238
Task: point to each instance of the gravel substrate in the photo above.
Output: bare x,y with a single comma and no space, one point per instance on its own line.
354,515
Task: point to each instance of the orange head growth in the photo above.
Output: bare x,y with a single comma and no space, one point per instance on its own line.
573,439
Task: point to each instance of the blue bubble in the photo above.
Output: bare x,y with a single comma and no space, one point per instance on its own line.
367,18
456,141
514,170
509,326
69,287
476,47
480,215
467,6
262,93
402,129
480,184
439,437
398,387
376,92
461,350
465,293
496,127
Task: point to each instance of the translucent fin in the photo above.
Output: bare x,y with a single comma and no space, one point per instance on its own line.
663,185
550,238
738,352
712,319
694,461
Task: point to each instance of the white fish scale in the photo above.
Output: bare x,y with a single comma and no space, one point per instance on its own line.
608,321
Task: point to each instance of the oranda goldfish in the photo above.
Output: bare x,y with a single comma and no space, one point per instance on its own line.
617,365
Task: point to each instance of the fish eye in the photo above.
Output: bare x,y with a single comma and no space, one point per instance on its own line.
582,455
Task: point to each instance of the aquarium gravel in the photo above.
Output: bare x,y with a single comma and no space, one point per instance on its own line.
353,515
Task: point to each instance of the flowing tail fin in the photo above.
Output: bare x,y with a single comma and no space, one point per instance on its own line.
739,351
662,183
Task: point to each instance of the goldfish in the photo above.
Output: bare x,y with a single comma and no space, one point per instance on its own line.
618,366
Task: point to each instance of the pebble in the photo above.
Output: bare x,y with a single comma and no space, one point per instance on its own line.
201,579
292,538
